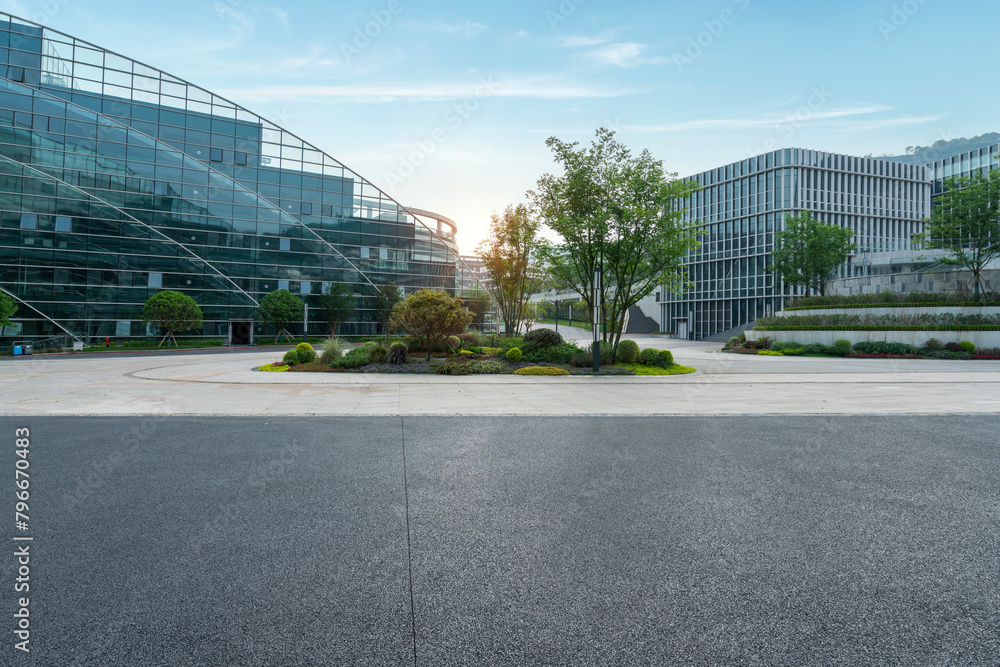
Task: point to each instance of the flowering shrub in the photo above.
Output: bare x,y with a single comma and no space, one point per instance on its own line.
541,370
275,367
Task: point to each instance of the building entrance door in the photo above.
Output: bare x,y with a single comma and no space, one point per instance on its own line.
241,333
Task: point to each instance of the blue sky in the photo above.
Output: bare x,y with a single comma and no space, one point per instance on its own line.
447,105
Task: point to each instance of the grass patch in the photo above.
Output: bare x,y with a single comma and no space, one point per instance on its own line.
579,324
643,369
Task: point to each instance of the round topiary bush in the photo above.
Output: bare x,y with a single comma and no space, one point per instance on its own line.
453,343
514,354
968,347
397,354
378,353
628,351
649,356
302,354
665,358
543,337
306,352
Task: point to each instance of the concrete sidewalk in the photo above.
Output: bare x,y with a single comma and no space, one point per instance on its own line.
226,384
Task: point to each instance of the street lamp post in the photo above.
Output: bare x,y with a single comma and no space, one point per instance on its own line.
597,318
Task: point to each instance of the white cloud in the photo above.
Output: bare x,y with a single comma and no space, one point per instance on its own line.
464,28
576,41
625,54
797,117
495,86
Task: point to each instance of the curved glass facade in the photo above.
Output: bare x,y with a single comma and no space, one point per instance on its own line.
118,180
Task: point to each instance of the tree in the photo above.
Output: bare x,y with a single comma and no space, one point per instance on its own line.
529,315
479,305
618,215
966,222
173,313
386,298
808,250
431,315
337,304
281,308
7,309
507,254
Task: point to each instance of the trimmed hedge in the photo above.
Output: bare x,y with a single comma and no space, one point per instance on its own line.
886,327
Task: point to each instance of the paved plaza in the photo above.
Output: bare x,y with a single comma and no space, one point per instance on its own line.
223,383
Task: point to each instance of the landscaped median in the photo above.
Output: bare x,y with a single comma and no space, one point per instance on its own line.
541,352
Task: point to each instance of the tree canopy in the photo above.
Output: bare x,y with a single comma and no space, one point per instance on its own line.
431,315
337,304
807,251
966,222
618,212
508,255
7,309
281,308
386,298
173,312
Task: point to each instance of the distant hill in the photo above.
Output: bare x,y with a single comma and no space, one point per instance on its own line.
942,149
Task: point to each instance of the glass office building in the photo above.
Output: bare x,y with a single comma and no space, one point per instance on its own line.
741,205
118,180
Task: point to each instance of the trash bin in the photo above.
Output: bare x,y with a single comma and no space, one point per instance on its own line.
18,350
27,349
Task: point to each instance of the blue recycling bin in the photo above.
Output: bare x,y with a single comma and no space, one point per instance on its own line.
18,350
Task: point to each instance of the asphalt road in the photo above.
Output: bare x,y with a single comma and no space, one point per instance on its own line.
507,541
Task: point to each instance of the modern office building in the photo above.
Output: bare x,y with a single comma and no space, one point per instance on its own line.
118,180
741,205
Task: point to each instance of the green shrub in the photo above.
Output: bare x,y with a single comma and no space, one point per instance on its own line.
555,354
968,347
541,370
932,344
354,359
370,344
581,359
333,349
771,353
759,344
513,354
665,359
840,348
508,343
302,354
397,354
947,354
470,340
778,345
487,367
453,343
880,347
306,352
378,354
491,340
736,341
544,337
649,356
628,351
791,351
